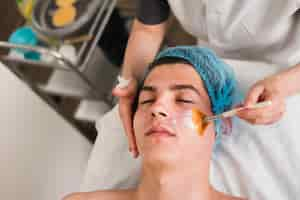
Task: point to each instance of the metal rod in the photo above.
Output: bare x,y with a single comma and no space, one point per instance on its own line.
91,32
100,31
61,59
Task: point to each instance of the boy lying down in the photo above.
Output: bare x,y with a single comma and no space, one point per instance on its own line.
175,145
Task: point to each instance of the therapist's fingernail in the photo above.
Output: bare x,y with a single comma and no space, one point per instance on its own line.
123,83
119,86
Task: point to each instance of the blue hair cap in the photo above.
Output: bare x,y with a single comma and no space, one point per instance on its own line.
218,78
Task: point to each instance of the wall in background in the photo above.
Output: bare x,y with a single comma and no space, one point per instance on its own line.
42,157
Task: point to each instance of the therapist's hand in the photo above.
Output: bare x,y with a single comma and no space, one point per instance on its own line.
126,98
272,89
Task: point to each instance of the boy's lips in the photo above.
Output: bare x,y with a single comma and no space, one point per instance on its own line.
159,131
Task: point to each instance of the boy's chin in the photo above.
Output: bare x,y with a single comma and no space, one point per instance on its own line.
161,155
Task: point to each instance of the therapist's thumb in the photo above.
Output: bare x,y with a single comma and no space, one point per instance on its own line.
254,95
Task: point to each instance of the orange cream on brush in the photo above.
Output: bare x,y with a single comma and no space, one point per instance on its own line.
199,122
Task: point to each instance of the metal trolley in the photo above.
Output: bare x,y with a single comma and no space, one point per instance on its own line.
87,55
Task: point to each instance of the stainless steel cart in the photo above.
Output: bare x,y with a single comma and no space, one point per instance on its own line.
85,79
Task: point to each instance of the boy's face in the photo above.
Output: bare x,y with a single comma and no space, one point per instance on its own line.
168,92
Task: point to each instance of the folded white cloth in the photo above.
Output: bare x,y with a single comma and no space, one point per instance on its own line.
258,162
261,162
110,164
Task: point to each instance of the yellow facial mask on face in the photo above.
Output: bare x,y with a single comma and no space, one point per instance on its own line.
193,119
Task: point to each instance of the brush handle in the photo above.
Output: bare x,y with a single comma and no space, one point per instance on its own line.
233,112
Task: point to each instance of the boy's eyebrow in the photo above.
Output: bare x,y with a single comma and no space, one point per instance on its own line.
185,87
149,88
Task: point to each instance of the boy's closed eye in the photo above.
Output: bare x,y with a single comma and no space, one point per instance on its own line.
178,100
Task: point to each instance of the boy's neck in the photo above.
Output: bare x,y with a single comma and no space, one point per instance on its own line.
182,183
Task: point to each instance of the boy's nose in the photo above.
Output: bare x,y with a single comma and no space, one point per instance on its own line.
159,112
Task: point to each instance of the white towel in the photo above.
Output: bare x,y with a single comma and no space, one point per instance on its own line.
258,162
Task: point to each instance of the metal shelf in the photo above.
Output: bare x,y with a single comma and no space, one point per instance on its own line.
81,81
65,83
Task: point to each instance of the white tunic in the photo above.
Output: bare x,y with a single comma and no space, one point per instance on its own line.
266,30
